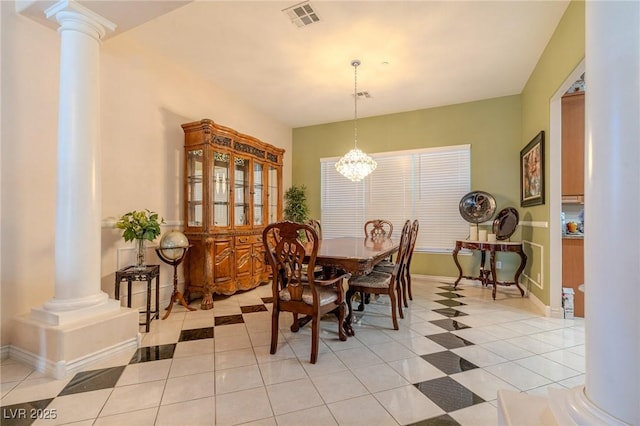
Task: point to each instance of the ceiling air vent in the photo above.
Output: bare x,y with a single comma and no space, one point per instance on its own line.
364,95
302,14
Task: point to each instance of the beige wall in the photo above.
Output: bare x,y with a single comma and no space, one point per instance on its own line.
145,98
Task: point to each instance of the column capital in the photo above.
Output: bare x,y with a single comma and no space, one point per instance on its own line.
73,16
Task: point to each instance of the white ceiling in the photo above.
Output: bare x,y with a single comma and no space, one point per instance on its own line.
415,54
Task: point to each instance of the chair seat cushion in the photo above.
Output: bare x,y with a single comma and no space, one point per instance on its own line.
385,263
388,269
374,280
326,295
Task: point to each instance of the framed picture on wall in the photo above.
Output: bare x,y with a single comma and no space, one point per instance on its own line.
532,172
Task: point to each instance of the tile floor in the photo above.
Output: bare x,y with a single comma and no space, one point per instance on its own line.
453,351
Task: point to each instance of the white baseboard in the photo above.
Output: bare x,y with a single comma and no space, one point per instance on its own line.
61,369
532,297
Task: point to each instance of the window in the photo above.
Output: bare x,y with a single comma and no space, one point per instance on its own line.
424,184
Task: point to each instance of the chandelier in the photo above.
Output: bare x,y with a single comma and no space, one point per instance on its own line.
355,164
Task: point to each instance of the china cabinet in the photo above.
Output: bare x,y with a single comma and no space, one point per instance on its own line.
232,190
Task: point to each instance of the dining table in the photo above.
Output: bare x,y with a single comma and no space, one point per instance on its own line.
355,256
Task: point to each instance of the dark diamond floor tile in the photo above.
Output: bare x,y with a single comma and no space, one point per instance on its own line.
253,308
229,319
153,353
450,302
443,420
196,334
86,381
267,299
448,394
450,295
448,287
23,414
449,362
449,340
450,312
449,324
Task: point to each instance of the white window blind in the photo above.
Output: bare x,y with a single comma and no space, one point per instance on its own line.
422,184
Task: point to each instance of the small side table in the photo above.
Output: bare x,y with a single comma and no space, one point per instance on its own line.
130,274
489,276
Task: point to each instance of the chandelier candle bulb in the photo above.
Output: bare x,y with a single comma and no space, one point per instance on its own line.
482,235
473,233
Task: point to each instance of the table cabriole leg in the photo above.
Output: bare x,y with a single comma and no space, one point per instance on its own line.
455,260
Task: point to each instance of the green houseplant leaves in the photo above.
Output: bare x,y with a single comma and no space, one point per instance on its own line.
140,225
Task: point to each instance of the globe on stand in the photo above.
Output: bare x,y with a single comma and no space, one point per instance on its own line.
172,250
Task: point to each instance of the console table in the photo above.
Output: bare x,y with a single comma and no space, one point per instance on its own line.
489,276
129,274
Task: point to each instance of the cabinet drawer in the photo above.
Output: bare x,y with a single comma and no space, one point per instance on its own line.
248,239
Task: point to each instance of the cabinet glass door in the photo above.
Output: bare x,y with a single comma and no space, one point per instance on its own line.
195,192
258,194
272,195
241,171
219,189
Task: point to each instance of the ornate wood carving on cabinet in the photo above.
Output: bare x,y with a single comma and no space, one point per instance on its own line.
232,190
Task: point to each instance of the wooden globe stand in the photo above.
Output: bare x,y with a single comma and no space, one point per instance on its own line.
176,295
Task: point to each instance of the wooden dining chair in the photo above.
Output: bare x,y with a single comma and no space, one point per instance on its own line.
388,267
378,228
378,282
315,224
406,284
296,289
375,229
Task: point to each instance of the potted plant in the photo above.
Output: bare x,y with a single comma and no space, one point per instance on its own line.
296,209
140,226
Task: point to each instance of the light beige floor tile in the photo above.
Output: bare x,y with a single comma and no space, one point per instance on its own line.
421,345
416,369
408,405
14,371
229,343
338,386
476,415
478,355
327,363
192,365
192,413
358,357
379,377
242,407
316,416
482,383
193,348
76,407
235,358
518,376
144,372
185,388
236,379
282,371
392,351
146,417
33,389
133,397
363,410
293,396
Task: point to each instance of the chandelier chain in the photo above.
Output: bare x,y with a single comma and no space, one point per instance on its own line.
355,103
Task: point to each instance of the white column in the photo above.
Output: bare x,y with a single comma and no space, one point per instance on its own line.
78,203
612,209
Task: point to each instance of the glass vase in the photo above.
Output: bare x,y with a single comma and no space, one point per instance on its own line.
140,255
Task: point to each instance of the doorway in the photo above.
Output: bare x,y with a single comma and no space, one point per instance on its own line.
555,190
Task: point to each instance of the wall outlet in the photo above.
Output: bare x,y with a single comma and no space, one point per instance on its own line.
498,264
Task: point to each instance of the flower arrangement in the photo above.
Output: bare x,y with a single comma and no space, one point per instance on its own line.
140,225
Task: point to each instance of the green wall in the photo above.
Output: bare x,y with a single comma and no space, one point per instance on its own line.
492,127
497,130
563,53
